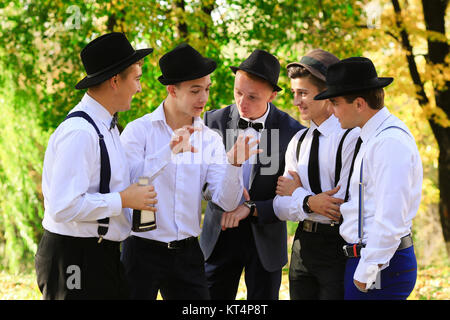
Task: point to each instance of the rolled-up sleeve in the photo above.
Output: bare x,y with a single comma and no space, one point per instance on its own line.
69,198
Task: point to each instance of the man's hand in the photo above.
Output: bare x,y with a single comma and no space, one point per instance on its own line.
242,150
180,140
360,285
326,205
231,219
139,197
286,186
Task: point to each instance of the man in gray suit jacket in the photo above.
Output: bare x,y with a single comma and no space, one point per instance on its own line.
251,236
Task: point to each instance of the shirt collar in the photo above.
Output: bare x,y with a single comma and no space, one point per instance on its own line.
371,126
261,119
159,115
96,110
327,127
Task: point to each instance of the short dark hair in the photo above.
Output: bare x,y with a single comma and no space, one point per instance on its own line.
373,97
301,72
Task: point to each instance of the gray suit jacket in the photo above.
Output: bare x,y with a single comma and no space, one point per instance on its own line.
270,234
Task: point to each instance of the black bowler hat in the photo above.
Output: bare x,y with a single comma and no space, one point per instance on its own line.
262,64
352,75
106,56
184,63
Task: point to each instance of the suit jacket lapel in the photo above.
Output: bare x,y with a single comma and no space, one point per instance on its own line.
231,128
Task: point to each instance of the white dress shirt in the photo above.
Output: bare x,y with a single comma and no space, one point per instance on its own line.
392,178
182,176
291,207
247,165
71,177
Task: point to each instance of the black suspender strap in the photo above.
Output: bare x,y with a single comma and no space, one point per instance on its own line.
299,143
105,168
338,166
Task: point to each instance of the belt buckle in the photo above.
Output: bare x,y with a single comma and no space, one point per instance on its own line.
171,245
344,248
308,226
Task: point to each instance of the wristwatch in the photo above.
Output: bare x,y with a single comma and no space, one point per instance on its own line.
251,205
306,207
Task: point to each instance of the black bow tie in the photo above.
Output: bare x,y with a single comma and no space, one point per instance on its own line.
244,124
113,121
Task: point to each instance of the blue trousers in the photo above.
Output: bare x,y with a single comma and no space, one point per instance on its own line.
397,280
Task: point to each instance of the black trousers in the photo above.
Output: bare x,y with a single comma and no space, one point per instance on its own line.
179,274
317,267
79,268
235,251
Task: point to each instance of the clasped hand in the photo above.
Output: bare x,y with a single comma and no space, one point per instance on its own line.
323,203
231,219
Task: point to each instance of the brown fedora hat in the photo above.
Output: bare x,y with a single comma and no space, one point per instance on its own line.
316,62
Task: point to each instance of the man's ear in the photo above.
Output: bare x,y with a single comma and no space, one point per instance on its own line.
361,104
171,89
113,82
272,96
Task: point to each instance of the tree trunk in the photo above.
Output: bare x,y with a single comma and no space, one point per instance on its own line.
434,13
181,23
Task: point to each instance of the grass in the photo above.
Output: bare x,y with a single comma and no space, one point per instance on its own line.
432,284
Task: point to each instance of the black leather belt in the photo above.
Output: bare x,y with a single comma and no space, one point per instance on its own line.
178,244
314,226
354,250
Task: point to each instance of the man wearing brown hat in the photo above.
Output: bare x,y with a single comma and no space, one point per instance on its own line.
86,182
385,187
173,143
250,237
314,184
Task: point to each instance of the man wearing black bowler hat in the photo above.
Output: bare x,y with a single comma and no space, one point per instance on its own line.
385,187
173,145
251,236
86,181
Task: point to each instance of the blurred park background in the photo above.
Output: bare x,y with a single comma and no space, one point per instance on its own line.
40,42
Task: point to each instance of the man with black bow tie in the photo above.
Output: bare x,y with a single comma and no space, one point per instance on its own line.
86,181
251,236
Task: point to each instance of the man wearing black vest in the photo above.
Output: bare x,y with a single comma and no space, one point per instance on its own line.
257,243
314,184
86,181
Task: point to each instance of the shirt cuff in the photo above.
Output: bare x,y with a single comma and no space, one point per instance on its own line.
114,202
298,196
366,273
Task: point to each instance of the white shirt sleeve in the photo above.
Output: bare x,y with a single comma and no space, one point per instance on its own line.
291,207
391,171
69,199
224,180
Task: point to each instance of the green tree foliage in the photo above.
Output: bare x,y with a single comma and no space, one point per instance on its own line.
40,42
